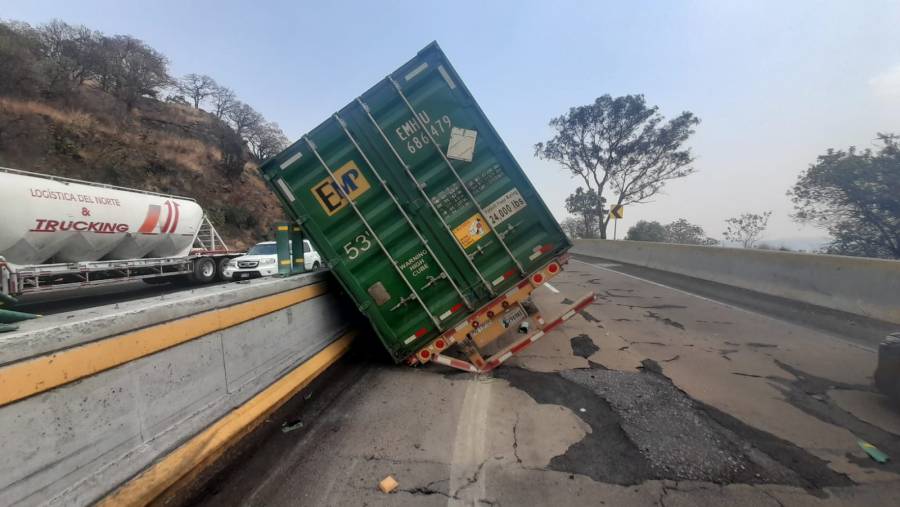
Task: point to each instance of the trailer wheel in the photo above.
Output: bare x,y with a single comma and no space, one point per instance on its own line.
220,269
204,270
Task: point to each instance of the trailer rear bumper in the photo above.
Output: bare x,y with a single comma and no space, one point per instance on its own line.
510,350
487,324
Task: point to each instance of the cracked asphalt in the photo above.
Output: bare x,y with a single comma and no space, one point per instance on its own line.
662,393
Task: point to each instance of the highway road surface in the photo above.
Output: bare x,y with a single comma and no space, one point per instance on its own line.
666,391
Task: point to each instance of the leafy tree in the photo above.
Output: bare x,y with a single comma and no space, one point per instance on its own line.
747,228
586,204
685,233
856,196
646,231
573,227
223,100
621,145
196,87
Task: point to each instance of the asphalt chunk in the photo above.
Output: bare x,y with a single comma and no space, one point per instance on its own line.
583,346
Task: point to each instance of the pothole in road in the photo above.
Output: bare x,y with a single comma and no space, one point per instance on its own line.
643,428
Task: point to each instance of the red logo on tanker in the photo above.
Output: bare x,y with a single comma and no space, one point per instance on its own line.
150,222
152,218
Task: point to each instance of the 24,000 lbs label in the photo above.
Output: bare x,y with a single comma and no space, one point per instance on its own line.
506,206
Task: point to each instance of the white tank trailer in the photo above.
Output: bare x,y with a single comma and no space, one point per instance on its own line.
61,233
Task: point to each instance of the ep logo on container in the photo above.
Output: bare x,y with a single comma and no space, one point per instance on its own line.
348,181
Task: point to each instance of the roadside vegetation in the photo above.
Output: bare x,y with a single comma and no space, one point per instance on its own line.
621,151
78,103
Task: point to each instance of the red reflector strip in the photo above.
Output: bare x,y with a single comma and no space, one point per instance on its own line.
546,248
455,308
418,334
503,277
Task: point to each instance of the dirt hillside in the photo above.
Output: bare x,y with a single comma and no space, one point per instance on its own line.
157,146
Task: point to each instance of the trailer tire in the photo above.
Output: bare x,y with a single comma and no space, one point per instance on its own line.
204,270
220,269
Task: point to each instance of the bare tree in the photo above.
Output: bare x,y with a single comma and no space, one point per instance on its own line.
621,144
747,228
196,87
223,100
243,118
265,139
140,70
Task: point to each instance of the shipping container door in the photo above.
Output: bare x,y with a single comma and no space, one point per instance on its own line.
448,160
374,244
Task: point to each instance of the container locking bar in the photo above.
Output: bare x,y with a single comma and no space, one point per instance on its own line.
419,186
384,185
414,294
455,174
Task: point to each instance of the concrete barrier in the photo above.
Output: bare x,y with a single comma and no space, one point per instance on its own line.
868,287
89,400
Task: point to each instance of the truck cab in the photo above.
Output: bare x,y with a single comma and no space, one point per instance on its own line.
262,260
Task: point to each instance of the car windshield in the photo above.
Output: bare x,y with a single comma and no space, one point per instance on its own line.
262,249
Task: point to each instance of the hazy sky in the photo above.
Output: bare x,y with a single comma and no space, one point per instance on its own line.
775,83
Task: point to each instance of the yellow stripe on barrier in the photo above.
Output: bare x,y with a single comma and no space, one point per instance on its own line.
206,447
27,378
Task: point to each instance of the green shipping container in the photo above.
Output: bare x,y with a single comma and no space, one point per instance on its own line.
416,203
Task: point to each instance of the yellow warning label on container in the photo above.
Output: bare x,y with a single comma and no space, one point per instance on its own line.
470,231
348,181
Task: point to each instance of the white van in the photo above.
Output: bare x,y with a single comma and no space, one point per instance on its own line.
262,260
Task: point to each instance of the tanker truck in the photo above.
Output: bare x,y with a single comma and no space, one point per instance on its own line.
62,233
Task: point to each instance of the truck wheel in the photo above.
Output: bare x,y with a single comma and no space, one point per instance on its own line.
220,271
315,266
204,270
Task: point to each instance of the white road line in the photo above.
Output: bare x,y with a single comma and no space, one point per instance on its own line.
726,305
552,288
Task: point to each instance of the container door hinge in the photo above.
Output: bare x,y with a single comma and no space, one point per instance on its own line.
403,301
434,279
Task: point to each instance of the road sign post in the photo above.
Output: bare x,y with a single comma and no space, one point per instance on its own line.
616,212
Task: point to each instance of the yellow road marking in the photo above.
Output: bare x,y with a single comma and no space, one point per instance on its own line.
27,378
209,445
